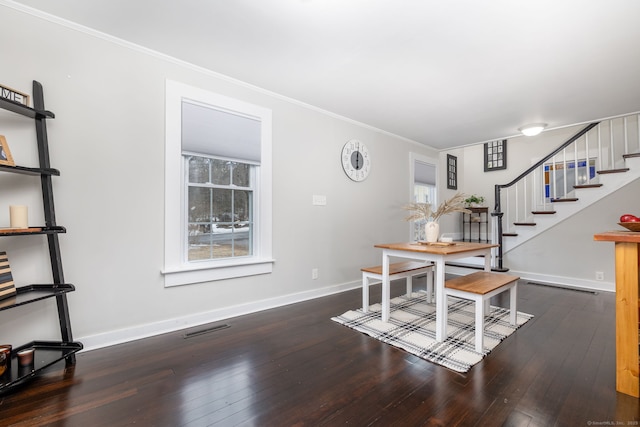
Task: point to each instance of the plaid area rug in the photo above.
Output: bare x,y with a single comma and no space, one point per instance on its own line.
412,325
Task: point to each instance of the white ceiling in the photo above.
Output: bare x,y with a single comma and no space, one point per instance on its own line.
441,72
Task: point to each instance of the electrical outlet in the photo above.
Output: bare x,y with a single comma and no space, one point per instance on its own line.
314,273
599,275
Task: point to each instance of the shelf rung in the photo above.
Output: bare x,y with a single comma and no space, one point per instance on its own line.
46,354
24,170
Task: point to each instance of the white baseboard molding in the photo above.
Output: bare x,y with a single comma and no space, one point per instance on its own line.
93,342
560,281
571,282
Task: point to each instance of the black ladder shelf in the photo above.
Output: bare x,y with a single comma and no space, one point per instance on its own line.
46,353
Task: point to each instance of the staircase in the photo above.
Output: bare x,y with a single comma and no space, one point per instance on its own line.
600,159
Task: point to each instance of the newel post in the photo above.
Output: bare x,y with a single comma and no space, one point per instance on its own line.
497,212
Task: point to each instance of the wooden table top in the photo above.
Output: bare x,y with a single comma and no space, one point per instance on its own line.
454,248
618,236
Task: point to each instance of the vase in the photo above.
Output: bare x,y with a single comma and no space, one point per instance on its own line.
431,231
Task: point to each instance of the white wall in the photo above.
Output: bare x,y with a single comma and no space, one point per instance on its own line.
566,254
108,141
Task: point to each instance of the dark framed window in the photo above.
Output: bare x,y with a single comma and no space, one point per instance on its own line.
452,172
495,155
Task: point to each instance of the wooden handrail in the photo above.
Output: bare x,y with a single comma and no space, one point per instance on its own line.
550,155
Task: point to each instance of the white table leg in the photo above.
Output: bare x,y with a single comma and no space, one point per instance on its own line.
430,289
487,260
479,335
385,286
365,292
441,302
513,300
487,267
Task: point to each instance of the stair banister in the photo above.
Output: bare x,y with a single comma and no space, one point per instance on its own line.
498,187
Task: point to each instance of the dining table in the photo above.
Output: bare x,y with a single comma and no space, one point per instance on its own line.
439,253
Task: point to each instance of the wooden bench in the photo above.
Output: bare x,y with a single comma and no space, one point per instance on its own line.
398,270
480,287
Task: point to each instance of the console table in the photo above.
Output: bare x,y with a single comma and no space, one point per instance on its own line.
479,217
627,252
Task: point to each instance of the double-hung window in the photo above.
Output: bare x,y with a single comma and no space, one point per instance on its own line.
217,186
219,208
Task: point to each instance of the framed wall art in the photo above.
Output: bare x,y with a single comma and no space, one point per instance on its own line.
5,154
452,172
495,155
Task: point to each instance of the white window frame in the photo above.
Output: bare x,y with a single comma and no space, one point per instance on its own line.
414,230
177,270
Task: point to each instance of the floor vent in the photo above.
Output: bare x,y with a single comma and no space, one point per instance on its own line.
568,288
206,331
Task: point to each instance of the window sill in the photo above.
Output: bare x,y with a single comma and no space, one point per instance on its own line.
190,274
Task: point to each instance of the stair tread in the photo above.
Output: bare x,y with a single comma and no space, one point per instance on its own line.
524,223
629,155
613,171
509,234
543,212
564,199
588,186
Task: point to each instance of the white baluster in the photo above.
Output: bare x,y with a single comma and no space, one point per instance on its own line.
599,148
626,136
564,172
638,123
575,163
517,204
553,175
612,162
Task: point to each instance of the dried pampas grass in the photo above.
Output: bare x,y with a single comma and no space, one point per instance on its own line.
424,211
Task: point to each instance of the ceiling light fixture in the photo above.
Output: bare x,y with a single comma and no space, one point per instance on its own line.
532,129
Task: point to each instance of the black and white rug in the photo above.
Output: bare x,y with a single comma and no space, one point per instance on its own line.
412,324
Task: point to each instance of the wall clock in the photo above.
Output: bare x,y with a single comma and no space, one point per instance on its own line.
356,160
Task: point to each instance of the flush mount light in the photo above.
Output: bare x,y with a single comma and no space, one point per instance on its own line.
532,129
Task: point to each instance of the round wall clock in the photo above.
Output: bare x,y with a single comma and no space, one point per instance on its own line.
356,160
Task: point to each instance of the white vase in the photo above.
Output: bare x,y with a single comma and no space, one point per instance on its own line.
431,231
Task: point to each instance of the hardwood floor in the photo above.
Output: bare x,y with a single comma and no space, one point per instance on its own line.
293,366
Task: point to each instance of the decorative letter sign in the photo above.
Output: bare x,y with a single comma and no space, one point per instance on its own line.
14,95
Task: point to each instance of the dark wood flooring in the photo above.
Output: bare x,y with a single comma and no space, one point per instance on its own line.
293,366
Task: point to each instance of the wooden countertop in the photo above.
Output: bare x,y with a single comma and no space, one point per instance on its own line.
618,236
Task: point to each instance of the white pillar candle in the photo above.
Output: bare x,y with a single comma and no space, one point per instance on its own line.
18,216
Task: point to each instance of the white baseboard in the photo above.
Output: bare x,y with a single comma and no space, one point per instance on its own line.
561,281
93,342
572,282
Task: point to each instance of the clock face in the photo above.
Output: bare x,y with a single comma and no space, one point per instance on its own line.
356,160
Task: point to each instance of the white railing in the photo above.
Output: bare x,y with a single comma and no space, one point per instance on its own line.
598,148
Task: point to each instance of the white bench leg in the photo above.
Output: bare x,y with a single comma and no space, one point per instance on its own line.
365,292
430,296
368,277
480,304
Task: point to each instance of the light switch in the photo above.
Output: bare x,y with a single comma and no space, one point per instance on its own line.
319,200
